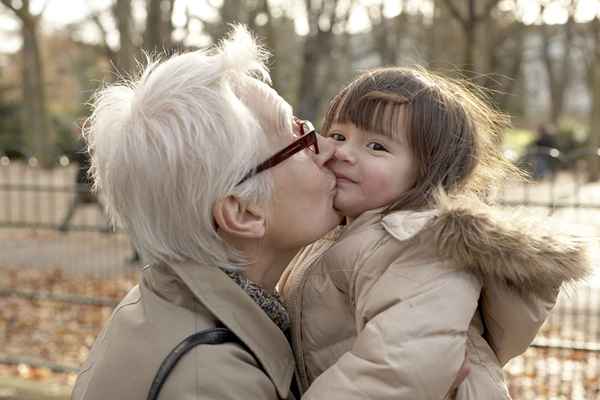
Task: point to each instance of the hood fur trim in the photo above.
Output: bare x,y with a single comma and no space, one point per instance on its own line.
507,248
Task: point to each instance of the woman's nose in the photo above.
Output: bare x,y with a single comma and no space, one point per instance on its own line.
326,150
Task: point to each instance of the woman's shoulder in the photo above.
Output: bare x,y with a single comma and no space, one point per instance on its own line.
227,371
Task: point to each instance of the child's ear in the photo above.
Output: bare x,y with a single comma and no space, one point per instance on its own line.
235,218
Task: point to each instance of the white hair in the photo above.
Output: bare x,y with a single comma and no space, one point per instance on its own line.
167,146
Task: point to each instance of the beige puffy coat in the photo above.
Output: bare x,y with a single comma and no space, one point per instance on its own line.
169,304
387,307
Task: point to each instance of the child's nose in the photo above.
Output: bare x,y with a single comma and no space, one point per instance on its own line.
343,152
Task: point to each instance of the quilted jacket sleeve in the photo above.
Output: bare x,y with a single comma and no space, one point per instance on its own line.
412,328
512,319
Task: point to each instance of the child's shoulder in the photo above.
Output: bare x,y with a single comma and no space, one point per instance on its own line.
505,246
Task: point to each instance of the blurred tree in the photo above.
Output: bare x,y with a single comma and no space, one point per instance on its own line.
326,20
387,33
11,138
155,37
124,55
405,38
470,18
257,15
302,68
557,57
158,35
39,137
442,30
236,11
594,81
503,55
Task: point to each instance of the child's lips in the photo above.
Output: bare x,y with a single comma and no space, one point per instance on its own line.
340,178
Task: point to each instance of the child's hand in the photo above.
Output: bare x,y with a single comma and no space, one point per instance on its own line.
460,377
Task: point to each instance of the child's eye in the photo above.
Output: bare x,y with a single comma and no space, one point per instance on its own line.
338,137
376,146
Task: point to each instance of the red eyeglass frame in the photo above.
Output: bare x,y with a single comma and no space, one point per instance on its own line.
308,139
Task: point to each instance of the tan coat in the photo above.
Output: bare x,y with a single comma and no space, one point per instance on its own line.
387,307
169,304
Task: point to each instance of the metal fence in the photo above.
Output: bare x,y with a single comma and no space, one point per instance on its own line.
49,220
563,363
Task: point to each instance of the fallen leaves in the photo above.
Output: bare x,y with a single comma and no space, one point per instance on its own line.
55,332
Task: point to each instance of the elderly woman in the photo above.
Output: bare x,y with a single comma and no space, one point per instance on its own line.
219,186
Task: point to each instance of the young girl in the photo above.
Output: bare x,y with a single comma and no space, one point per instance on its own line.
423,271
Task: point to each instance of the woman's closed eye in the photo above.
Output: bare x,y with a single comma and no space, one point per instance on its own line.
376,146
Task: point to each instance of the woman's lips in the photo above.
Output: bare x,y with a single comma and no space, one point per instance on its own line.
343,181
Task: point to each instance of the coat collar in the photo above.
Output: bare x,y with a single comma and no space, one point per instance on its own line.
361,222
402,225
238,312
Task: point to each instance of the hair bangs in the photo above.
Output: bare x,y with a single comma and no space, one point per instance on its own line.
375,111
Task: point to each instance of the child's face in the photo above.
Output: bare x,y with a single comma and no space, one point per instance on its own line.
371,170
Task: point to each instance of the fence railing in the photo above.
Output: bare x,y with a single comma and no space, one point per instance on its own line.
49,222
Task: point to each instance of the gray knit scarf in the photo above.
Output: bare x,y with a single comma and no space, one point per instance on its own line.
271,304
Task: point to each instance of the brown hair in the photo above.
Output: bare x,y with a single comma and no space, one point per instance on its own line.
451,130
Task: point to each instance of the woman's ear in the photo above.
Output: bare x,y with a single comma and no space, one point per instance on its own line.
238,219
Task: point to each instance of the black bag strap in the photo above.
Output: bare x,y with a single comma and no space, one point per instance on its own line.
208,336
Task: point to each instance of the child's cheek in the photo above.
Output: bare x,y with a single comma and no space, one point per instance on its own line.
382,185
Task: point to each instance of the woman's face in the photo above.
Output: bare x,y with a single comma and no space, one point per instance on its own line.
304,190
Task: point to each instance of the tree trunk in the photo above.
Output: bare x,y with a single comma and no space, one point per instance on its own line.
309,94
431,50
470,29
505,52
127,53
153,32
387,33
469,50
269,32
558,72
318,46
470,22
159,26
594,138
39,137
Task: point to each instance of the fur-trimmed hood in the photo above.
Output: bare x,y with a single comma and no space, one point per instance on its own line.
520,251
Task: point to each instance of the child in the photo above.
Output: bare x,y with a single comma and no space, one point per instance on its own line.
424,271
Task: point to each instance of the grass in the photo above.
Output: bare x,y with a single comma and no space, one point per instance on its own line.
517,139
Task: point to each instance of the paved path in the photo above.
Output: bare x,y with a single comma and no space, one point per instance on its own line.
97,254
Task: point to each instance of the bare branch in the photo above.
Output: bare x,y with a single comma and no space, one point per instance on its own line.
516,28
9,4
489,7
455,12
346,16
44,6
213,4
186,27
110,53
333,17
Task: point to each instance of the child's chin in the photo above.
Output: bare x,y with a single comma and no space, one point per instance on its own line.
342,209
